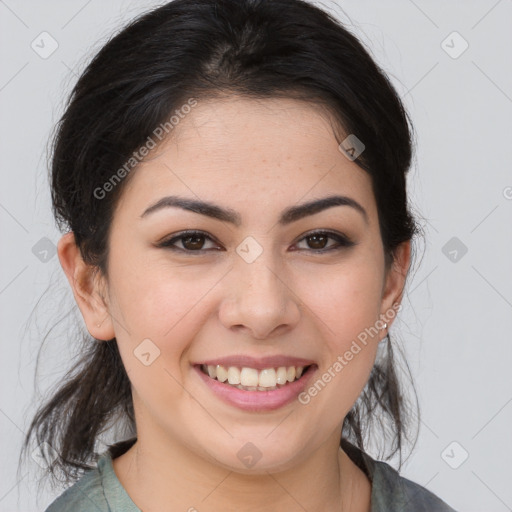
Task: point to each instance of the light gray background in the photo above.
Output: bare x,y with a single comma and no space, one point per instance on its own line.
456,321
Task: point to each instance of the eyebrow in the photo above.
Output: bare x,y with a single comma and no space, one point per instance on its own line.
289,215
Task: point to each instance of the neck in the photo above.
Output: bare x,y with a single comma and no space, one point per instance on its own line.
160,475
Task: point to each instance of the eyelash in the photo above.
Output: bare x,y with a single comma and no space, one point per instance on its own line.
342,241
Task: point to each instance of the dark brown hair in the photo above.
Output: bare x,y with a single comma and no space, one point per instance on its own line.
207,49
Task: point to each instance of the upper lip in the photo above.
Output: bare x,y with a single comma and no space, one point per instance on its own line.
258,363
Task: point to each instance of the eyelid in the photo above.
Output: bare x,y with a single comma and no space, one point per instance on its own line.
343,241
167,241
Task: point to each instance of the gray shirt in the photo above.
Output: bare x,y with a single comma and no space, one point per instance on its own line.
99,489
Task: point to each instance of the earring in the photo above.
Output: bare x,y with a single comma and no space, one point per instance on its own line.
385,337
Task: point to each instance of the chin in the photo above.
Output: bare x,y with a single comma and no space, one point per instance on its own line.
259,456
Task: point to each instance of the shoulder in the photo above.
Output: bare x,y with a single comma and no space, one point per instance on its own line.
98,490
389,489
84,495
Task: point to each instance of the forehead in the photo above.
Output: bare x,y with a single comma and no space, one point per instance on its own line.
249,154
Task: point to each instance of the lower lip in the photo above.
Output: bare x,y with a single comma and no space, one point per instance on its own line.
258,400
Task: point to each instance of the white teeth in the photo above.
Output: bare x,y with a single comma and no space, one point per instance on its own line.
233,375
281,375
222,373
267,378
251,379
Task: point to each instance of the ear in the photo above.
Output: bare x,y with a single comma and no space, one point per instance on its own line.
394,282
88,288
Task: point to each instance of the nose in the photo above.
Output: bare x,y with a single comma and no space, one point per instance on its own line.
259,299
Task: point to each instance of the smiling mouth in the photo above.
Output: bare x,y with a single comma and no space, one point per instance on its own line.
250,379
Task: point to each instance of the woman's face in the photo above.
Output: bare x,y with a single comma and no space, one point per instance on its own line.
255,283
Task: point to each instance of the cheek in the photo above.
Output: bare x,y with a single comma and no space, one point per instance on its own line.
154,298
346,299
162,311
346,306
160,319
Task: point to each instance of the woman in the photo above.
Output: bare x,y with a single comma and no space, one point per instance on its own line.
232,178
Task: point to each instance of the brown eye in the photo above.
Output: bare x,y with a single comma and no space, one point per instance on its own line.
318,241
191,241
195,241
